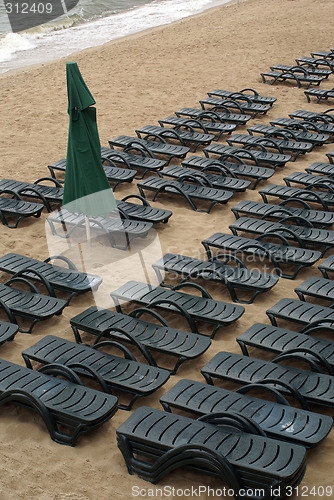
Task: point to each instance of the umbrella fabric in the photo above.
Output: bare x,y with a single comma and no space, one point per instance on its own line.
86,190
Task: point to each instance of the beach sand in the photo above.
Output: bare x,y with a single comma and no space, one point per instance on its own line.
137,81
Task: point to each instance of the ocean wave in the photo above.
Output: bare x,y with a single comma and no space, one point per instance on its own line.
69,34
12,43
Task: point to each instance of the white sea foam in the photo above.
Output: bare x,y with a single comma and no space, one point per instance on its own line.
13,43
46,43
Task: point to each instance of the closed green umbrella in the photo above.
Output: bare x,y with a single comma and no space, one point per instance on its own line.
86,190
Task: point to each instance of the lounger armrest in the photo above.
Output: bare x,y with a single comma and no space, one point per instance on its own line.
110,162
292,234
127,354
181,310
291,390
320,118
314,195
39,276
234,157
256,144
276,211
10,191
249,154
233,104
29,400
54,181
318,326
123,214
324,184
323,61
39,195
298,219
307,65
177,189
204,293
24,281
327,92
131,338
182,456
306,125
249,90
294,199
271,235
189,124
299,69
139,311
218,107
119,157
141,148
226,257
298,352
291,74
104,386
59,370
330,110
284,133
235,420
212,115
197,178
265,141
262,387
137,197
8,312
222,169
241,97
64,259
257,246
174,133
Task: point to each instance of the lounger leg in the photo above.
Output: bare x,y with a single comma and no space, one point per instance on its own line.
324,273
208,379
243,348
272,319
117,304
325,250
300,295
264,197
215,330
178,363
166,406
124,447
31,326
77,335
208,251
129,406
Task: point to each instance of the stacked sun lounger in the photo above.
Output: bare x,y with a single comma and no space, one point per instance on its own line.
248,442
309,71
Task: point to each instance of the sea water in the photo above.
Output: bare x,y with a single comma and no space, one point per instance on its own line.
90,23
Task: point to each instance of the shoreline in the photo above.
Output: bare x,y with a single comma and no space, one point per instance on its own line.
119,39
135,81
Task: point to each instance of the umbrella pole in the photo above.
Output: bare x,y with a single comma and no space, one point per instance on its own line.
87,229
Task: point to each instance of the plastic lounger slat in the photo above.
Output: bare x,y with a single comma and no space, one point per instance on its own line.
257,460
164,339
120,373
317,388
199,308
77,407
278,421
